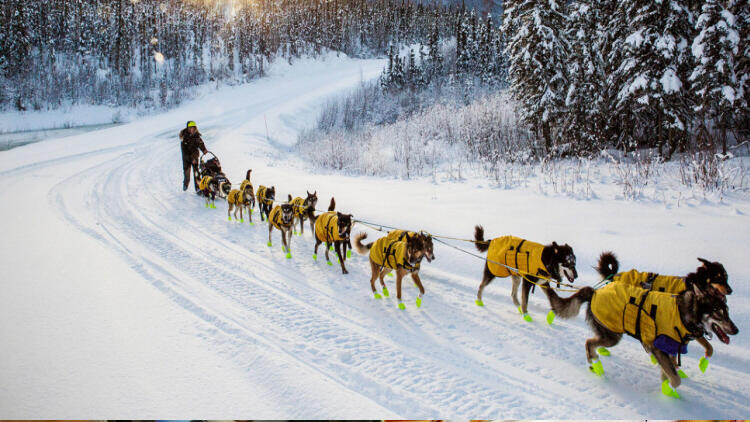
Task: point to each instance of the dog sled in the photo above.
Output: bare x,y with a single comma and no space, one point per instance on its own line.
209,165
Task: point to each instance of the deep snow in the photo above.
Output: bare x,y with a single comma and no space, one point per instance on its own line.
123,296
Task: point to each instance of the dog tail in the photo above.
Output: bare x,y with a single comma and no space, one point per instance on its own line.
481,244
247,175
567,307
608,265
290,198
358,246
333,204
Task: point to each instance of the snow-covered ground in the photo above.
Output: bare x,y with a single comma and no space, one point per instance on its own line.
122,295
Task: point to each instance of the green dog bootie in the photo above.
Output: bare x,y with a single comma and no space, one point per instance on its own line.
331,247
597,368
682,374
315,257
527,317
329,263
385,292
252,224
550,317
288,255
206,204
703,364
213,206
377,295
419,302
390,274
667,390
602,351
242,220
479,302
349,253
229,218
653,360
269,244
401,306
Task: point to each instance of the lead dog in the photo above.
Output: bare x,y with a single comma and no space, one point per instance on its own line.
662,322
530,261
710,278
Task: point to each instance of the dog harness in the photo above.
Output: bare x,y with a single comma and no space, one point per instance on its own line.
327,227
203,185
276,217
651,281
262,196
516,253
649,316
236,197
299,207
389,253
246,184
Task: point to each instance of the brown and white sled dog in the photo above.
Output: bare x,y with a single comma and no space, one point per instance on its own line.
244,197
710,277
209,188
303,210
333,227
265,196
529,260
282,218
401,252
663,322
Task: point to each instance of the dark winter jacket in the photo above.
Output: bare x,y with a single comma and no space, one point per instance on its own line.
191,144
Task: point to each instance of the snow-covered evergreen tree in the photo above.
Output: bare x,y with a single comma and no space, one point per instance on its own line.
713,81
653,73
537,53
741,11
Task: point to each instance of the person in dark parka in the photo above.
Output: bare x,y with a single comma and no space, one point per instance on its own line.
191,144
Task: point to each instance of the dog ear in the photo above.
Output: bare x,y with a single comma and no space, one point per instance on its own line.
315,193
308,192
705,262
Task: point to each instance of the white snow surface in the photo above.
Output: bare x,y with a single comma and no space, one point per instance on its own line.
123,296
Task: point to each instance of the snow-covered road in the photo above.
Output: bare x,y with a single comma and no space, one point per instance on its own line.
122,295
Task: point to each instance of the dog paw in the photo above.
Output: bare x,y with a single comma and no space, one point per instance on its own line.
377,296
703,364
329,263
527,317
269,244
401,306
242,220
229,218
653,360
667,390
288,255
315,257
479,302
349,253
603,351
419,302
682,374
597,368
385,292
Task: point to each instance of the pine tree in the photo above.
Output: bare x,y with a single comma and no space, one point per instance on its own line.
537,54
741,11
653,73
714,83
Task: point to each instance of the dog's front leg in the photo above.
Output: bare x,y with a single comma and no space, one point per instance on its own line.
668,373
709,350
418,282
270,229
399,276
514,290
341,258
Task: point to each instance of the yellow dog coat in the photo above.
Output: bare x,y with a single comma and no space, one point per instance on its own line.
659,283
298,205
327,227
276,217
390,253
400,234
246,184
261,196
203,185
236,197
643,314
516,253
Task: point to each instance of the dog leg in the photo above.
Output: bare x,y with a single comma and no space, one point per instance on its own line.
418,282
328,248
382,272
399,277
229,211
487,278
270,229
374,272
670,378
525,300
315,252
286,239
514,290
338,245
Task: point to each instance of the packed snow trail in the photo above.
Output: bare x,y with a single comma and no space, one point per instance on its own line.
125,294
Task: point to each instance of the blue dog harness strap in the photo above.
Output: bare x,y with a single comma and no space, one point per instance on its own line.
669,346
